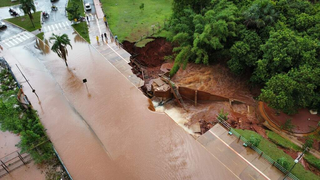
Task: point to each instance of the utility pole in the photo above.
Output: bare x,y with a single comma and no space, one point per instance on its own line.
295,162
33,90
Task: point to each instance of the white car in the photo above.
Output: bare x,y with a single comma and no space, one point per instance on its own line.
87,7
2,25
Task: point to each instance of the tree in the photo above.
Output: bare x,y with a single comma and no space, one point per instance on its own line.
308,143
60,46
254,141
73,11
299,88
200,36
283,51
283,162
27,6
260,14
245,53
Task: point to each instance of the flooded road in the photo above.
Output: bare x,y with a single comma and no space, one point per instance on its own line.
107,130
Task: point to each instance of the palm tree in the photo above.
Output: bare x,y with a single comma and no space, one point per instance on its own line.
27,6
60,46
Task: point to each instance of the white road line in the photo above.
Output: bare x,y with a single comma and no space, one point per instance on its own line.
44,29
59,25
23,38
11,43
49,28
108,44
56,26
19,39
14,40
8,44
240,155
28,34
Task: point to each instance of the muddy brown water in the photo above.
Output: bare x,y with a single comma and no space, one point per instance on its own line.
107,130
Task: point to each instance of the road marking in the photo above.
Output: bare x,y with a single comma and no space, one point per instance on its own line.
8,44
108,43
19,39
59,25
49,28
23,38
240,155
28,34
16,42
56,26
11,43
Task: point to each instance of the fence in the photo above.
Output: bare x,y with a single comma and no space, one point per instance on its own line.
4,64
13,161
268,158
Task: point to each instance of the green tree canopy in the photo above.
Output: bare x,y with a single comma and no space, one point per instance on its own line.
27,6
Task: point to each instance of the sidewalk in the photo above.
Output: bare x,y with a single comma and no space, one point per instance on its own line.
117,56
244,162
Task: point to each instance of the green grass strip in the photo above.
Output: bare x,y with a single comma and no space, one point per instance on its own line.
81,7
277,139
311,159
129,22
25,22
275,153
82,29
5,3
40,35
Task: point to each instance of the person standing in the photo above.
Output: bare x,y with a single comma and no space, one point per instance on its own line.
97,37
101,37
88,18
105,36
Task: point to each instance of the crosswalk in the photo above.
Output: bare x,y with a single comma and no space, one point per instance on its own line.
17,39
91,17
57,26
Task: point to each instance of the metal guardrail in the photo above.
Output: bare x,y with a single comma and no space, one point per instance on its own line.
268,158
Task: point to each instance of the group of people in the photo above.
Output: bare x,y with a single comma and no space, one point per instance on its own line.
103,35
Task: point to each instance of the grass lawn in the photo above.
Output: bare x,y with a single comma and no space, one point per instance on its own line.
275,153
40,35
82,29
24,21
128,22
5,3
81,7
276,138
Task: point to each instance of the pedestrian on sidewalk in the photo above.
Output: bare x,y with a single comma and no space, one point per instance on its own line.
101,37
106,37
97,37
88,18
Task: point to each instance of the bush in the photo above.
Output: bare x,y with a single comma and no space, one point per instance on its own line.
254,141
275,153
274,137
283,162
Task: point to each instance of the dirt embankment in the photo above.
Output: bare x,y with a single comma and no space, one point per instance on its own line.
216,79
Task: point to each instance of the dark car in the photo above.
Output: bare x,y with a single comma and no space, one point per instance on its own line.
53,0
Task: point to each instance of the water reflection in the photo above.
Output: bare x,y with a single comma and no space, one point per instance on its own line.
42,46
78,38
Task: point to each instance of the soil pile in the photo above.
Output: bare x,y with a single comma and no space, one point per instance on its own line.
152,55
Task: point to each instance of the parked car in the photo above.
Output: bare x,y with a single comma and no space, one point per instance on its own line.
88,7
2,25
53,0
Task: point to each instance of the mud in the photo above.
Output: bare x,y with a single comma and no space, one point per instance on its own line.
216,79
150,57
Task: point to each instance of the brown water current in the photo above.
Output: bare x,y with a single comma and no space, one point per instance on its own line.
107,130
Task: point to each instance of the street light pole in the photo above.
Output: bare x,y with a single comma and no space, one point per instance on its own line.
33,90
295,162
